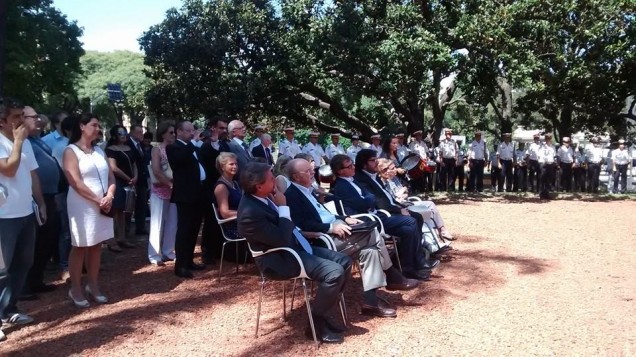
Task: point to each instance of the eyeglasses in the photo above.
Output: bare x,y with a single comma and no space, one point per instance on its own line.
122,133
372,160
350,166
34,117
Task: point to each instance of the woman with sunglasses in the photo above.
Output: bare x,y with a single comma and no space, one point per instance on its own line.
387,172
122,162
163,214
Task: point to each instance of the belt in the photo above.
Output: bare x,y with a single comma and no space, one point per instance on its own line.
478,159
505,159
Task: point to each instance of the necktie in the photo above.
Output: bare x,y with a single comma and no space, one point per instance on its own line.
299,237
247,149
268,156
139,148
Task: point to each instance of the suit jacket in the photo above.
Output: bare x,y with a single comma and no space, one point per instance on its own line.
264,229
259,151
243,157
352,201
382,201
187,186
208,160
140,161
303,212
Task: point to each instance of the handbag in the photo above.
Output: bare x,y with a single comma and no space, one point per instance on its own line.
361,236
165,168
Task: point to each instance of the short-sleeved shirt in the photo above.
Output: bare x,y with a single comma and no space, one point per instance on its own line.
48,170
420,148
448,149
289,149
565,154
533,150
547,154
57,143
594,153
352,152
333,150
316,152
19,193
505,151
477,150
124,160
620,157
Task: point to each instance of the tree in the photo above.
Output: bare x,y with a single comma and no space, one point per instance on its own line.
123,67
42,54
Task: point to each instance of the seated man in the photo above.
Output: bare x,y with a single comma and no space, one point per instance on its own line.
311,216
357,199
267,226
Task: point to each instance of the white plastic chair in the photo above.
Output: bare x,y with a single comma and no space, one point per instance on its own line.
227,239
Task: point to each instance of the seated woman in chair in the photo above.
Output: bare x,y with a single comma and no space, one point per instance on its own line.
227,191
387,173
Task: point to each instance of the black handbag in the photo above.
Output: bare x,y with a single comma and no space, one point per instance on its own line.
361,235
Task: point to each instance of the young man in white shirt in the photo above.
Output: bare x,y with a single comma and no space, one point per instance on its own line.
477,161
620,163
505,155
17,219
334,148
547,155
289,146
565,158
534,169
594,159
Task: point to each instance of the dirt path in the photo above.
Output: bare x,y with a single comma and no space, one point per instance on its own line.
525,278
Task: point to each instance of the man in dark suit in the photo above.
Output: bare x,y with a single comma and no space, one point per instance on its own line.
135,141
190,194
263,149
237,144
267,226
311,216
357,199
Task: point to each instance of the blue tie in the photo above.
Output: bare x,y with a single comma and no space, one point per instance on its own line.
299,237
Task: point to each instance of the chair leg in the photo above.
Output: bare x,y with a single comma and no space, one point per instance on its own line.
397,253
258,309
343,309
311,319
293,295
221,264
237,250
285,299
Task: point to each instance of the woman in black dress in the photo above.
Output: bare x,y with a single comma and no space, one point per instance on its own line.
121,161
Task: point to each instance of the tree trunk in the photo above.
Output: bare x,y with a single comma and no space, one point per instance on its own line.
505,90
565,122
439,99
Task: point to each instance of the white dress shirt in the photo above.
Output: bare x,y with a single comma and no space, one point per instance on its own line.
505,151
565,154
477,150
594,153
420,148
289,149
333,150
533,150
201,170
316,152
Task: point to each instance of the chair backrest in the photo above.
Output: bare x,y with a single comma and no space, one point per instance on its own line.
331,206
216,213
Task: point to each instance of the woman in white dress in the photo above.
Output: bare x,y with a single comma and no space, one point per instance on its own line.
91,192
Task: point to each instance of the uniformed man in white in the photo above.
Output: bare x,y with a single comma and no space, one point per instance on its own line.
317,153
505,158
477,159
355,147
578,169
532,158
448,159
258,131
594,160
334,148
620,164
402,150
495,169
459,167
547,160
521,169
418,146
376,143
289,146
565,159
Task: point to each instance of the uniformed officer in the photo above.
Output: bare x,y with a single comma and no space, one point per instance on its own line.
505,156
565,159
495,169
258,131
376,143
402,150
289,146
459,174
594,160
448,159
547,161
521,169
352,151
317,153
477,159
620,163
419,147
534,169
334,148
578,171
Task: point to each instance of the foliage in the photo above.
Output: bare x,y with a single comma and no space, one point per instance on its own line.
42,55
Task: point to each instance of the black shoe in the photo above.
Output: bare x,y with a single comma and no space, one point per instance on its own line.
418,274
323,332
43,288
183,273
428,264
28,297
335,324
195,266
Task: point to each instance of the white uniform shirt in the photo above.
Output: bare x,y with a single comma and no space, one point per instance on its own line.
333,150
316,152
19,192
352,152
620,157
420,148
594,153
477,150
565,154
377,148
547,154
533,150
520,156
402,152
505,151
448,149
289,149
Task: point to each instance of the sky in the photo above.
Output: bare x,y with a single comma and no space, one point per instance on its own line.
111,25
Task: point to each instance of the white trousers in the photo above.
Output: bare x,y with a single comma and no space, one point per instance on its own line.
163,229
435,215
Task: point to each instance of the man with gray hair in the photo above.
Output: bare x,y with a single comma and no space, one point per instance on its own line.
264,220
237,144
264,149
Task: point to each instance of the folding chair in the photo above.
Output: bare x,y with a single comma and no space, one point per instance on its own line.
227,239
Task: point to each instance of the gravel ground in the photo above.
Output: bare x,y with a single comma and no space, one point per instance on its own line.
526,277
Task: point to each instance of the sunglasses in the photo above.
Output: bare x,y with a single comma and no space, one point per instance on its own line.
122,133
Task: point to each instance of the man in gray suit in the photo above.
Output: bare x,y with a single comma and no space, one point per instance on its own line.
310,216
238,146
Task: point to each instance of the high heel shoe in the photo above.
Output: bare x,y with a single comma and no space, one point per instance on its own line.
79,303
100,299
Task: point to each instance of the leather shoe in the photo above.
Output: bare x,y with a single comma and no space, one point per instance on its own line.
428,264
28,297
418,274
335,324
195,266
406,284
379,311
323,332
183,273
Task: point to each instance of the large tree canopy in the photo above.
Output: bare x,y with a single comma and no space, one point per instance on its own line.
42,54
369,66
